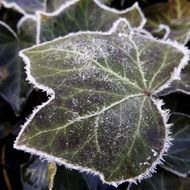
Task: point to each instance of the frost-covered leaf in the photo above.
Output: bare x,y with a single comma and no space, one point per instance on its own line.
104,112
163,180
25,6
82,15
177,159
13,87
54,5
35,174
180,85
175,14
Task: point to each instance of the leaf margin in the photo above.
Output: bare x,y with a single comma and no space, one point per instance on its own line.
13,5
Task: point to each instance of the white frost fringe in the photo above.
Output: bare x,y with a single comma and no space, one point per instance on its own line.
14,6
9,29
24,19
167,30
99,3
184,175
158,103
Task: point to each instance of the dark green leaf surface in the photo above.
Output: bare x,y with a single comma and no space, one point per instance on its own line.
102,115
178,157
163,180
13,87
83,15
175,14
35,174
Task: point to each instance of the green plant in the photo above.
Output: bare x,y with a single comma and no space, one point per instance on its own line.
105,76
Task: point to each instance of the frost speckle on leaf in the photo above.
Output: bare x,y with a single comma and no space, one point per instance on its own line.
102,113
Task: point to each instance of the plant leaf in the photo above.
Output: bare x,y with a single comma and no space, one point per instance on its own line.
13,87
178,158
180,85
82,15
34,174
175,14
26,30
24,6
10,17
102,115
163,180
54,5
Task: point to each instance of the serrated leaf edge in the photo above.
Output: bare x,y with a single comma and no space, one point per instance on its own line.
99,3
158,103
176,74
